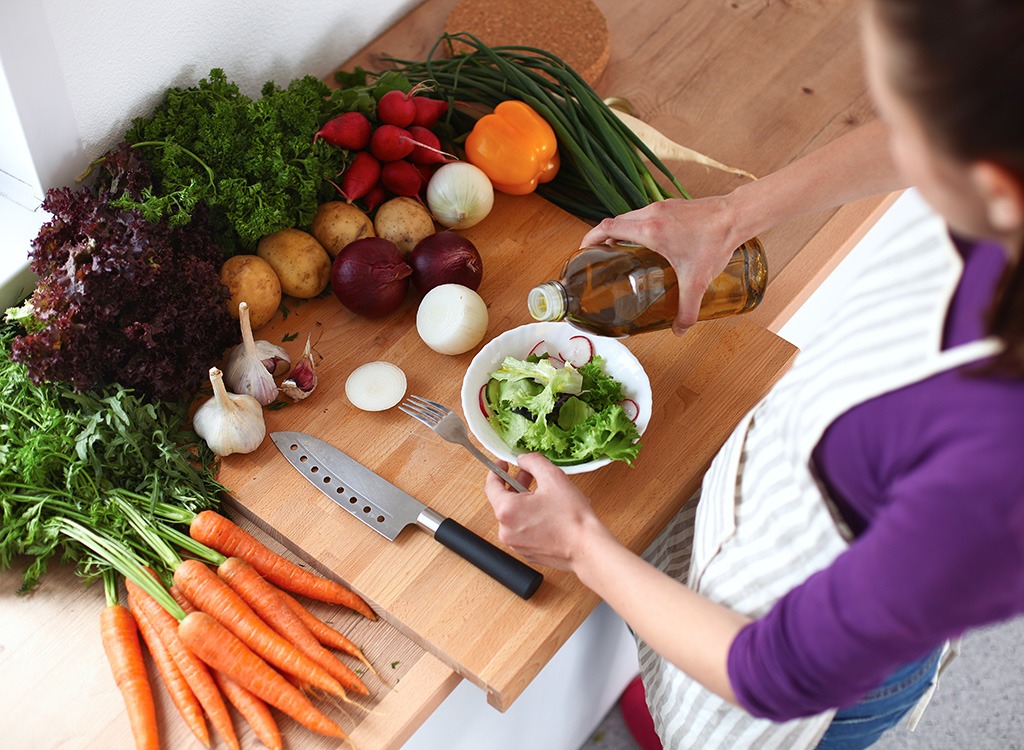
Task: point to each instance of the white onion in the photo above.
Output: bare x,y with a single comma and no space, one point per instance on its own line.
459,195
375,386
451,319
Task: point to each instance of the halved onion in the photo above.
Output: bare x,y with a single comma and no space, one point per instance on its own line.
375,386
451,319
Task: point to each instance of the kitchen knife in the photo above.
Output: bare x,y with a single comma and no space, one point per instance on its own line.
387,509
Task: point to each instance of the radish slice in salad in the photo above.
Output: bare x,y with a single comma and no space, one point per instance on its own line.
537,348
541,348
375,386
483,402
629,406
578,351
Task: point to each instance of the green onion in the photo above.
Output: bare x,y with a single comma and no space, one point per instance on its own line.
603,172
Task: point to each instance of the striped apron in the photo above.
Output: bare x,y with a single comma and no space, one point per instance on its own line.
763,524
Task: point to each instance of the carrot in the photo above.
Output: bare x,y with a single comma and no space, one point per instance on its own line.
120,636
215,645
252,708
324,633
265,600
182,600
192,669
216,531
177,687
210,594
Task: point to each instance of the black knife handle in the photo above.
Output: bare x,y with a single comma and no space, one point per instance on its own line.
498,564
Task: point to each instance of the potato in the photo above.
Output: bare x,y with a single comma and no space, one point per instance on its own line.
300,262
338,223
250,279
404,221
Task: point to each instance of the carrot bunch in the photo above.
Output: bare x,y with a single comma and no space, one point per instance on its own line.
228,628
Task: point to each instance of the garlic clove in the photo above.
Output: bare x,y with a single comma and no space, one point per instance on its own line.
229,422
245,372
302,380
273,357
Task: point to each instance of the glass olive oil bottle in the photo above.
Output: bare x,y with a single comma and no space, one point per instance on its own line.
619,290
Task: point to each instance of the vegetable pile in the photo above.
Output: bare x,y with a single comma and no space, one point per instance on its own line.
121,486
570,414
603,170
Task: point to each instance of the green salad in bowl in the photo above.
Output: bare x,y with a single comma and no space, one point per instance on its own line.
582,401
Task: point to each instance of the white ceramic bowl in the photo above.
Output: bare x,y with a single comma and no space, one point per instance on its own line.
619,362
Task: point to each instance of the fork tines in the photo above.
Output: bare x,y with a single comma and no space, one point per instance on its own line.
426,411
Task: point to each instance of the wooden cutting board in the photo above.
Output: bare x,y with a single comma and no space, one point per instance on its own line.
702,384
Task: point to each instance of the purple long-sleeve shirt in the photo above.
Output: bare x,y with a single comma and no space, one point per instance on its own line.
930,478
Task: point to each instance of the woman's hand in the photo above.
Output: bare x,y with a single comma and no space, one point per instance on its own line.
551,525
696,236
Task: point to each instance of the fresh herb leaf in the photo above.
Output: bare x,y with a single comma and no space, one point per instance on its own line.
290,336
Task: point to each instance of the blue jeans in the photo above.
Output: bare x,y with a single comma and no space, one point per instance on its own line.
861,725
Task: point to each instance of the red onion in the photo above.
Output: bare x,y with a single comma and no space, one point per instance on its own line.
370,277
445,258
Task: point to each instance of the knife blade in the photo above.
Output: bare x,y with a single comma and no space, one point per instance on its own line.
388,509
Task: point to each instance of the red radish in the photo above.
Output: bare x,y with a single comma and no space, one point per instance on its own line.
426,172
428,147
483,402
578,351
391,143
360,176
428,111
396,108
535,348
377,195
630,407
401,178
350,131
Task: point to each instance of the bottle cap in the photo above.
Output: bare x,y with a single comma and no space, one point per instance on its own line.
547,301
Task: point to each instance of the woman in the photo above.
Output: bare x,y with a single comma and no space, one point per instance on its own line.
871,507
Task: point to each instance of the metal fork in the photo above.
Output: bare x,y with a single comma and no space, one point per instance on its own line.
450,426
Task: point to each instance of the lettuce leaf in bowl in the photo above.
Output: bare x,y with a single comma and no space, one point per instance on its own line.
570,415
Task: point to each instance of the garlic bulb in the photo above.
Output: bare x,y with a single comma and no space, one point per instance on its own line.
251,365
229,422
302,380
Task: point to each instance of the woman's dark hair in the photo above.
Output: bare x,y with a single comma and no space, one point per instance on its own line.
960,63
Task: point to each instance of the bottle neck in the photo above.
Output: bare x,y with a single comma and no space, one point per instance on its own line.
548,301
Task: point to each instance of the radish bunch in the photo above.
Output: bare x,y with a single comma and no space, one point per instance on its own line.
395,152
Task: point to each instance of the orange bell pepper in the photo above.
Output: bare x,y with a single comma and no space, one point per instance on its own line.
515,147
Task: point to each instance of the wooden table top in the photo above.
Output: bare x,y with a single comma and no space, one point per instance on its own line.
752,84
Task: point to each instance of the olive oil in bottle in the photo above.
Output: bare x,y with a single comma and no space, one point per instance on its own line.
618,290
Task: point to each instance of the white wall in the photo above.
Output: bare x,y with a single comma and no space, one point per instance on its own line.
76,73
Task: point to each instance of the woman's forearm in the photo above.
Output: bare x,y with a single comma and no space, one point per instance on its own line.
854,166
691,632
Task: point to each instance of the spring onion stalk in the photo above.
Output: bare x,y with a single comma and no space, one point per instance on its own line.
604,168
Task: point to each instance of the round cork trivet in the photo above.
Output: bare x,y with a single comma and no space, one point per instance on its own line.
573,30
